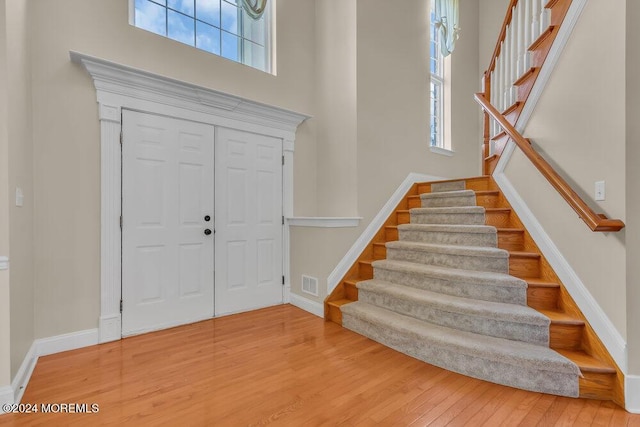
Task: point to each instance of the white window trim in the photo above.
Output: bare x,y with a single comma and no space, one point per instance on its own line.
117,87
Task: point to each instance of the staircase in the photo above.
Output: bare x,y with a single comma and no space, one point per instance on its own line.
455,280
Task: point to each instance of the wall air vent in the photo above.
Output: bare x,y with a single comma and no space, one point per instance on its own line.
310,285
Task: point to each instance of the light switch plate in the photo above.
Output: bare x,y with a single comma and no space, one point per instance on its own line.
599,190
19,197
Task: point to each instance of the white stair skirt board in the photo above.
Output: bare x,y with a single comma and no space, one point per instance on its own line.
45,347
119,86
356,249
306,304
632,393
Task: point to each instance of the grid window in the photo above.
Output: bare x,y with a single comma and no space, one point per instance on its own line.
221,27
436,68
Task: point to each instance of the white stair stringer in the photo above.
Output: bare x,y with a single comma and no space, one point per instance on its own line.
501,361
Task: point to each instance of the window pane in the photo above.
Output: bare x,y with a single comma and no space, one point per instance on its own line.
230,46
236,2
208,11
207,38
253,29
230,18
151,17
254,55
181,28
184,6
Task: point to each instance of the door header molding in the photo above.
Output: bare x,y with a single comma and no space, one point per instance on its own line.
121,87
117,79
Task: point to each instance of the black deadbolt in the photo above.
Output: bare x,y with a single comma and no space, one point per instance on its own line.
207,218
207,231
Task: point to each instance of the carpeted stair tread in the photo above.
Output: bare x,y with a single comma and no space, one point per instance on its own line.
463,257
482,285
511,321
449,198
450,249
450,210
470,215
440,186
452,234
512,363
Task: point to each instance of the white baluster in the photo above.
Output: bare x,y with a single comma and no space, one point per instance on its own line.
528,30
521,36
543,17
535,20
514,57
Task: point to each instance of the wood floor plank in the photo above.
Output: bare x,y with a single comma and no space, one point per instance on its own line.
284,367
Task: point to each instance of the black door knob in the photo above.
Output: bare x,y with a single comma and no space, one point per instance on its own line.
207,231
207,218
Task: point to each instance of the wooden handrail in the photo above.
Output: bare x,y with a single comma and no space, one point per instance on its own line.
596,222
501,36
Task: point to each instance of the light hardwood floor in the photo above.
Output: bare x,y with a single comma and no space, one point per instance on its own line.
281,366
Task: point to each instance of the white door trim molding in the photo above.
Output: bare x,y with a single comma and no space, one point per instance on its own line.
117,87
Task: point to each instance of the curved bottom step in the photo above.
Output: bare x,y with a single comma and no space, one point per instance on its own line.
501,361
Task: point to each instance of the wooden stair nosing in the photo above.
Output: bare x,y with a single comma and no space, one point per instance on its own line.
541,39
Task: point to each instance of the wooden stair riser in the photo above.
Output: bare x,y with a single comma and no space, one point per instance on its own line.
365,270
542,298
488,199
565,336
524,266
334,314
499,218
379,251
391,233
403,217
511,239
351,290
415,202
597,386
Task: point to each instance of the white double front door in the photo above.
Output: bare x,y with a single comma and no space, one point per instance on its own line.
201,222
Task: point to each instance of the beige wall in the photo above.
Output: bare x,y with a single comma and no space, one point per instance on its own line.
20,176
337,107
5,308
633,176
579,125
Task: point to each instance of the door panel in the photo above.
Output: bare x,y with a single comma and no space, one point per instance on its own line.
167,189
248,221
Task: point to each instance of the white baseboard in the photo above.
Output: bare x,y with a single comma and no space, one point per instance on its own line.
312,307
110,328
632,393
44,347
20,381
602,325
354,252
66,342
